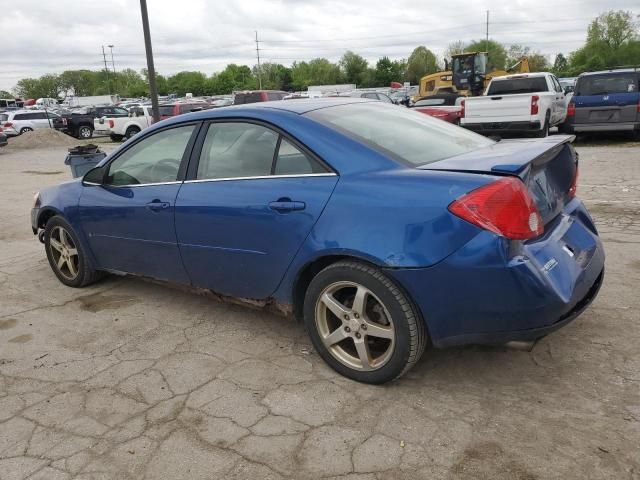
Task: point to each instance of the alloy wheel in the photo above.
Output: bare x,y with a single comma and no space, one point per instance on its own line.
64,253
355,326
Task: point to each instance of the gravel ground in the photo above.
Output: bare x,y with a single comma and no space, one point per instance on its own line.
129,379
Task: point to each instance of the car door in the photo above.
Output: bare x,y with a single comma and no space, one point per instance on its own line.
559,103
251,198
129,218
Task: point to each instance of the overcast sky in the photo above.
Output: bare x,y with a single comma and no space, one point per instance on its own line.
49,36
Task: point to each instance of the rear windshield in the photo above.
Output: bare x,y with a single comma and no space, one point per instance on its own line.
242,98
603,84
166,110
518,85
275,95
409,137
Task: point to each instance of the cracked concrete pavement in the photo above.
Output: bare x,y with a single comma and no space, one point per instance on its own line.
129,379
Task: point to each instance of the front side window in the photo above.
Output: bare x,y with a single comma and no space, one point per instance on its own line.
155,159
407,136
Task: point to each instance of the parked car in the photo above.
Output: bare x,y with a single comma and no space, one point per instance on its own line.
169,110
255,96
370,95
3,138
605,101
126,127
17,122
523,103
80,123
383,229
445,107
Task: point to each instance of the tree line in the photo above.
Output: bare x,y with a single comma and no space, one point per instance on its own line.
612,40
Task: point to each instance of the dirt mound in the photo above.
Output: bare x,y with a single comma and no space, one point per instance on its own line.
46,137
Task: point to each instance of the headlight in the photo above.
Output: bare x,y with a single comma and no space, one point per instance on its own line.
36,200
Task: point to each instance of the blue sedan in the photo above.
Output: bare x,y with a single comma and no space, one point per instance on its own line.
381,228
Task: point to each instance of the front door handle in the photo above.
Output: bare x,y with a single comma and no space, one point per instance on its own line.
286,205
158,205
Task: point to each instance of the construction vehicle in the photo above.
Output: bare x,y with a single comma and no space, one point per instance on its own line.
468,75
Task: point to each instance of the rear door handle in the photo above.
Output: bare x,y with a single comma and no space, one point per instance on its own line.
283,205
158,205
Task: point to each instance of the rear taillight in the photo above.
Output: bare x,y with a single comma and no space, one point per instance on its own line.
574,184
111,123
503,207
462,109
534,104
7,125
571,109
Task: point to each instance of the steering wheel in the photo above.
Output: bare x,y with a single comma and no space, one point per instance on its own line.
165,170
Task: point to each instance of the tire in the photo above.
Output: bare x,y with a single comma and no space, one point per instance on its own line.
25,130
85,132
131,131
544,132
388,331
60,241
115,138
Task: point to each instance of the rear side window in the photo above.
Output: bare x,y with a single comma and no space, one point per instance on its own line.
292,161
406,136
233,150
604,84
518,85
3,117
21,116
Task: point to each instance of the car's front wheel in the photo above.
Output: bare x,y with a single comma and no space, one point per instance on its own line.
362,324
66,256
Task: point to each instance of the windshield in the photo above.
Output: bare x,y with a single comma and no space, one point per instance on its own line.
409,137
518,85
601,85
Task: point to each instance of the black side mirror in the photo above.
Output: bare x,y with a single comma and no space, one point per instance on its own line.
95,176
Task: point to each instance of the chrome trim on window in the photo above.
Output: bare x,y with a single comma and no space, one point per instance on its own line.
141,184
261,177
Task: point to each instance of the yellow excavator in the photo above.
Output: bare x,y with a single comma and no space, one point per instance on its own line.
468,76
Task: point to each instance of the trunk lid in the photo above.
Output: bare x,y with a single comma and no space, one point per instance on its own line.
546,166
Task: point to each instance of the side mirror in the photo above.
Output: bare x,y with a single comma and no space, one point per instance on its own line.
95,176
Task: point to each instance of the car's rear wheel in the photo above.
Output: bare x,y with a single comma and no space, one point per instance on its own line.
131,131
25,130
66,256
362,324
85,132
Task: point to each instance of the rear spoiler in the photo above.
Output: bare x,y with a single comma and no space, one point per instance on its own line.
508,157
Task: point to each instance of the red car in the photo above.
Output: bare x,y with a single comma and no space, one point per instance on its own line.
440,106
169,110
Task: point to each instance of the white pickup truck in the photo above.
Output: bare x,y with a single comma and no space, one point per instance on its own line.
522,103
120,128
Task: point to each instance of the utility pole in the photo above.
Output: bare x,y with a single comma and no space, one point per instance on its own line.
258,55
487,42
151,71
113,64
106,69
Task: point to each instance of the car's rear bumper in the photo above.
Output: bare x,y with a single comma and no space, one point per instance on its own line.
605,127
492,291
502,127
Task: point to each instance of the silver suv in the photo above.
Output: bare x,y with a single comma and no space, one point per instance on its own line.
17,122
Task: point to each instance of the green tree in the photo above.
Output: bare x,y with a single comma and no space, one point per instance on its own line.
188,82
354,68
497,54
388,71
537,61
560,65
454,48
47,86
318,71
613,28
421,62
5,94
274,76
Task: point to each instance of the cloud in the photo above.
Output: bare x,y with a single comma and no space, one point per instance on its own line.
51,36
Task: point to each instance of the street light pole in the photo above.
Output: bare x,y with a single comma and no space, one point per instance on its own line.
151,72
